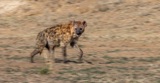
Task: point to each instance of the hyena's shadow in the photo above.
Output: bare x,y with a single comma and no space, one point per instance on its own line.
68,61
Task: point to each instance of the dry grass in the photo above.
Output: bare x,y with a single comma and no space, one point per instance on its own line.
121,41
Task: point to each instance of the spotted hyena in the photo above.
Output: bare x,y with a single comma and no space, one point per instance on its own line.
59,36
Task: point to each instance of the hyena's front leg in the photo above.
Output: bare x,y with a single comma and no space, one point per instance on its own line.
64,51
80,50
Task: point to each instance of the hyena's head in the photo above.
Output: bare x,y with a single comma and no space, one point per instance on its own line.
79,27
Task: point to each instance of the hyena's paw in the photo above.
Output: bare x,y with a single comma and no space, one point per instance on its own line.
31,60
66,61
80,60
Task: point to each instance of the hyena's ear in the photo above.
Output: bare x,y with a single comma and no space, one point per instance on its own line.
84,23
73,22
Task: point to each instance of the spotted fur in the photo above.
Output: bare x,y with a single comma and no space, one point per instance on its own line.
59,36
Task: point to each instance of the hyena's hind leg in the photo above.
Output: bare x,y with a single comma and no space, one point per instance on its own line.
50,61
37,50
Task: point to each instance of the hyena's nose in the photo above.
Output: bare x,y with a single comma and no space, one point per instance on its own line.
79,33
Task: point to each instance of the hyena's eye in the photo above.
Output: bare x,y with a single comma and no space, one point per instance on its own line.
80,29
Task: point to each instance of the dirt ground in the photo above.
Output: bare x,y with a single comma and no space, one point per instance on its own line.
121,41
